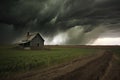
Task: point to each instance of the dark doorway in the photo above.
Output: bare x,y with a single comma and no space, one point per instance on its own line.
38,44
26,44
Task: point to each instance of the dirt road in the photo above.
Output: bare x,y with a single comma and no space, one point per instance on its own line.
102,66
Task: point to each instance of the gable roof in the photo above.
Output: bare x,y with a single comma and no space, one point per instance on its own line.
28,38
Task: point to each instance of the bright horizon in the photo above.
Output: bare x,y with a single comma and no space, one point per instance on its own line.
106,41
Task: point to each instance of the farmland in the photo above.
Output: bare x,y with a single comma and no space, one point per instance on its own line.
14,61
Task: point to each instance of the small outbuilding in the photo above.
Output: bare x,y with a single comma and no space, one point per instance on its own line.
32,40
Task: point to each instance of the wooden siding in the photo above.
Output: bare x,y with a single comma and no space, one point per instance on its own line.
37,41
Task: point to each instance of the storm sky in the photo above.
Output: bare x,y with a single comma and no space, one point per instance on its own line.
61,21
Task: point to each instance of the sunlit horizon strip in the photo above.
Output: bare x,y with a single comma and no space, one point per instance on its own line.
106,41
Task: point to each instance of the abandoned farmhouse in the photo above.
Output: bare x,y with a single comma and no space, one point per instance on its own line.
31,40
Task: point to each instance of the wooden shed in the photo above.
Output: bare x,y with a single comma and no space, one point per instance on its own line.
32,40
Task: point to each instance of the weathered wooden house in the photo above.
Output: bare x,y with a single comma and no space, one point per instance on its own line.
32,40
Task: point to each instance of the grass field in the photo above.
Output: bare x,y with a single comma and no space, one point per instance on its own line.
14,61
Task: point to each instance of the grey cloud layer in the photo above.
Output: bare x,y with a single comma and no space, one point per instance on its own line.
51,16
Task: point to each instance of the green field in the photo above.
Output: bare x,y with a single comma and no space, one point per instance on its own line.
14,61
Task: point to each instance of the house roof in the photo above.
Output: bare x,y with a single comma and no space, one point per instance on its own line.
28,38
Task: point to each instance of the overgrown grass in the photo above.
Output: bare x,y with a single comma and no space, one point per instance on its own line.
116,51
14,61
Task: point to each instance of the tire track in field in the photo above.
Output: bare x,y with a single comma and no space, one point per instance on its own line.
113,71
88,68
93,70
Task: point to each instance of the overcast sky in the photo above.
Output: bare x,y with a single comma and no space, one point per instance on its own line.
61,21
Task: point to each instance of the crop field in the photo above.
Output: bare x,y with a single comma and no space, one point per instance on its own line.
13,61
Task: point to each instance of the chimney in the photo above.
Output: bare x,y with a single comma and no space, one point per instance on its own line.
28,34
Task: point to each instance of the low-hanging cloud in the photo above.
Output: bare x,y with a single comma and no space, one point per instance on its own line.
71,36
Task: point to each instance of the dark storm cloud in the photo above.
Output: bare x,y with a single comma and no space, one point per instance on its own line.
6,31
18,12
52,16
91,12
32,14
